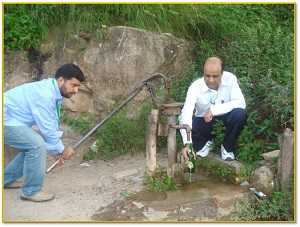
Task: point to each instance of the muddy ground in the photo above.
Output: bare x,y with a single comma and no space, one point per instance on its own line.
113,190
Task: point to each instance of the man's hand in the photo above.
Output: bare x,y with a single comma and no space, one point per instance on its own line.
68,152
184,151
66,155
208,116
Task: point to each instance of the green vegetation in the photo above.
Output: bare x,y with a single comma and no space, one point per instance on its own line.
160,182
81,123
277,207
120,135
216,168
218,133
256,42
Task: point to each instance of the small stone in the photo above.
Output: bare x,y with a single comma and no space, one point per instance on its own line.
269,156
85,164
138,204
244,184
110,164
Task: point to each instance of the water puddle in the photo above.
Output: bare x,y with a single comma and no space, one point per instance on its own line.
205,199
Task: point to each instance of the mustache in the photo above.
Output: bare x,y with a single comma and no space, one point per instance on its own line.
68,95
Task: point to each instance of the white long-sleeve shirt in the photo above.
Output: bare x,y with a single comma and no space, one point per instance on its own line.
201,98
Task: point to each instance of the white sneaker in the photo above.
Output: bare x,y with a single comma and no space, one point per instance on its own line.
226,156
205,150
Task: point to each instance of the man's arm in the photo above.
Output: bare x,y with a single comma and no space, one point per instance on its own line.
187,112
47,122
237,100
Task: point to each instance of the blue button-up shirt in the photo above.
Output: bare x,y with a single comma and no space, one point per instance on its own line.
36,103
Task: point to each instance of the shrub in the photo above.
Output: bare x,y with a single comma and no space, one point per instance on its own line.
121,135
277,207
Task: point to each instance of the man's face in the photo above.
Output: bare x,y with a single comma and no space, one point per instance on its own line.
68,88
212,75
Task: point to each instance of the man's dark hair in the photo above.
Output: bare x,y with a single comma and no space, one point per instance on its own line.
69,71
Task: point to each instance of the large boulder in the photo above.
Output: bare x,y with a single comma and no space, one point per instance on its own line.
17,68
113,64
117,63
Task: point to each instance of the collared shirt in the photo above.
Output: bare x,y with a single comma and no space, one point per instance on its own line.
36,103
201,98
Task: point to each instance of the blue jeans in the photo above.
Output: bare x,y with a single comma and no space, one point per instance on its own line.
30,162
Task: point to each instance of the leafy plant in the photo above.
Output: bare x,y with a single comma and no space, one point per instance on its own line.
160,182
277,207
218,132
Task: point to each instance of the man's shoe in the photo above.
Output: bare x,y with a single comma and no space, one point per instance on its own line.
226,156
205,150
38,197
14,185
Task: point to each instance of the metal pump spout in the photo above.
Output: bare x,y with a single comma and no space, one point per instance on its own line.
184,126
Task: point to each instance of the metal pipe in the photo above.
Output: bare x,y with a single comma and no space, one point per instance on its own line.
130,97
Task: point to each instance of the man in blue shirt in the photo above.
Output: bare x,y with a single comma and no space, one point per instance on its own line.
37,103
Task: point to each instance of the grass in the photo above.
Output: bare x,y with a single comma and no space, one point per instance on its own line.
80,123
120,135
277,207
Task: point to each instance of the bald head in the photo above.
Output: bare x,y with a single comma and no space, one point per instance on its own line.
213,62
213,69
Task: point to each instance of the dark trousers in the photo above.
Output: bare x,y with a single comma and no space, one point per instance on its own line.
233,122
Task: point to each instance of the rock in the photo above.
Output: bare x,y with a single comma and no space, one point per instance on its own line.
115,65
81,102
47,47
270,156
138,204
85,164
17,69
231,171
244,184
263,179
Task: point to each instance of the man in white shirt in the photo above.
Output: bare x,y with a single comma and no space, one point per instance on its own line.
216,95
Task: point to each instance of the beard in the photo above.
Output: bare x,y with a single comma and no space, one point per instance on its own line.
66,94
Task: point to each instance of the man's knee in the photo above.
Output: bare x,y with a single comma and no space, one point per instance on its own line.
238,115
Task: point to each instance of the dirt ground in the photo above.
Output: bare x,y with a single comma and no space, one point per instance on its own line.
100,190
81,188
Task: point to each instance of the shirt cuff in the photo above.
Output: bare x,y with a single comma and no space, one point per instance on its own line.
184,137
57,149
